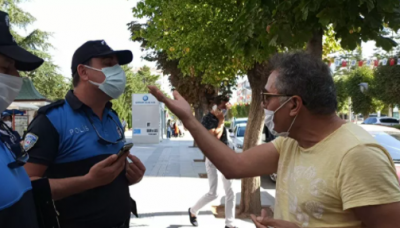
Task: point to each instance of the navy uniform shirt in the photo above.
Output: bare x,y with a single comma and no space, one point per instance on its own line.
63,138
210,121
17,208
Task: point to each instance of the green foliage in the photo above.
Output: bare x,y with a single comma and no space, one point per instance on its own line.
353,21
239,111
198,34
363,103
46,79
342,94
386,85
227,124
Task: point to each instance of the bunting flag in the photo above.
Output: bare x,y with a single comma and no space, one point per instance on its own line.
394,61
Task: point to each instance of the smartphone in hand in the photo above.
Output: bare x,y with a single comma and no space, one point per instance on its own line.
125,149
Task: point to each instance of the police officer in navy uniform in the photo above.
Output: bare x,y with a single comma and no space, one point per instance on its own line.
7,133
17,208
74,143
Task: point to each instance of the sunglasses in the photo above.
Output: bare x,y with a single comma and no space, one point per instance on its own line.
21,157
104,141
19,154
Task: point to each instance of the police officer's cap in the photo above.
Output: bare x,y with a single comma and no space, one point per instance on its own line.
95,49
24,60
5,114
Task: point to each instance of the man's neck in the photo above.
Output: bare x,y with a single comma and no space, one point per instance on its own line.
94,100
316,129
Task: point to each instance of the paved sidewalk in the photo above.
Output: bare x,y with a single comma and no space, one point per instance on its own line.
172,184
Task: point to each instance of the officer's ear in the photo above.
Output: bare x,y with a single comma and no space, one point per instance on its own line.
82,72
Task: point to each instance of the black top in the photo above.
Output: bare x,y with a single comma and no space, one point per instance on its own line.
21,214
63,138
210,121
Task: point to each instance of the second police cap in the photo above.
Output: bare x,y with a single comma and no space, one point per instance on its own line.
95,49
24,60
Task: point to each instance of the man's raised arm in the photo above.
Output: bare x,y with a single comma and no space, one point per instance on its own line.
257,161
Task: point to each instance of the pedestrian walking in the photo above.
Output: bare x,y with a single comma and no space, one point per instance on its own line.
17,207
330,173
214,123
169,129
75,142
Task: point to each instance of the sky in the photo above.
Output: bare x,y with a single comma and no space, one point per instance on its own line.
73,22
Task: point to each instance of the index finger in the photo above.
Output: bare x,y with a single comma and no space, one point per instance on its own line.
157,93
137,162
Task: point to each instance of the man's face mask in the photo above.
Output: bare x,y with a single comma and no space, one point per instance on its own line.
115,82
9,87
269,121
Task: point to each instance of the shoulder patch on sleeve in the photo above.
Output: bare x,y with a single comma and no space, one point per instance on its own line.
45,109
30,140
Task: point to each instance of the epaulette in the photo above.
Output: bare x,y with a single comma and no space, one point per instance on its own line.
47,108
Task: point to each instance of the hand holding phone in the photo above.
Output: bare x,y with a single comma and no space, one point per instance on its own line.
125,149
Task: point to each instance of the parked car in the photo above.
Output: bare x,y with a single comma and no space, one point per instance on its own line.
387,137
236,122
237,137
386,121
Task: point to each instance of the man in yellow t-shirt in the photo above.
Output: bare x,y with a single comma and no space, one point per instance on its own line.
330,173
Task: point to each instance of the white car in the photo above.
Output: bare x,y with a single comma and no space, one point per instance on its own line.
237,137
386,121
237,121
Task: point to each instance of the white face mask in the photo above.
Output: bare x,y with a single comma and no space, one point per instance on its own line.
9,89
115,82
8,123
269,121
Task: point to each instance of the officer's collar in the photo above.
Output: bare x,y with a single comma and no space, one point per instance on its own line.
76,104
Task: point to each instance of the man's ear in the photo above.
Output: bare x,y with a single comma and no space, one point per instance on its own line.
297,105
82,72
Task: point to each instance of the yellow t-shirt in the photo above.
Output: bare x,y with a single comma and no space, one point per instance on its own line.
317,186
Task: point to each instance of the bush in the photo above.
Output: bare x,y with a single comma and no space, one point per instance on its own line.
228,124
239,111
396,126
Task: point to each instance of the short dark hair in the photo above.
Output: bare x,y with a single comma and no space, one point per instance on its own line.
221,98
306,76
75,76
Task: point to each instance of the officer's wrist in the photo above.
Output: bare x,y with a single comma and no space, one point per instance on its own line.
90,182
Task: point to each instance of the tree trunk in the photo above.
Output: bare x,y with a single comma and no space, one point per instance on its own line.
250,202
198,113
314,46
390,111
